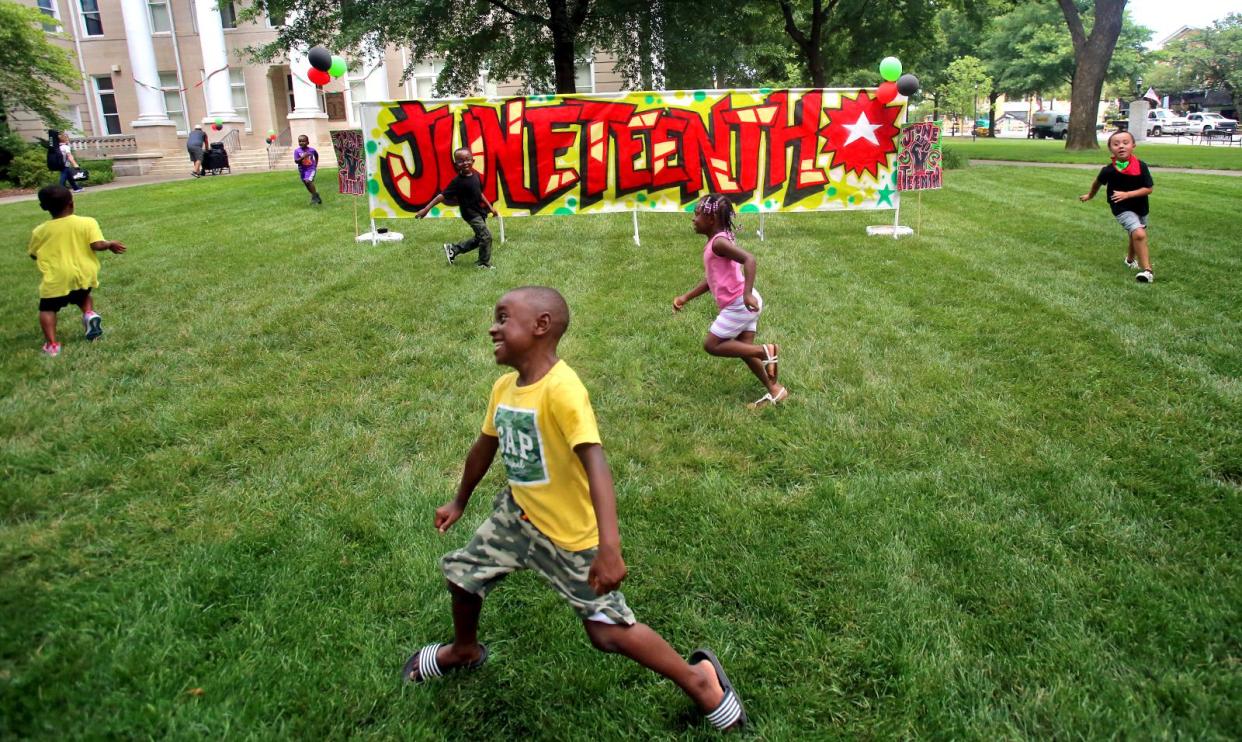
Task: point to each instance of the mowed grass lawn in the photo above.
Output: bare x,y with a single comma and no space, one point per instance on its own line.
1156,151
1003,501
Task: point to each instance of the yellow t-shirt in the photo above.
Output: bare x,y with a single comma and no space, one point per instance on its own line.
62,250
538,426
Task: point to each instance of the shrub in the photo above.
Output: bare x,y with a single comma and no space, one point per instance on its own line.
952,159
29,170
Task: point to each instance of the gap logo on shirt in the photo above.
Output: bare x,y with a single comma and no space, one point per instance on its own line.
521,448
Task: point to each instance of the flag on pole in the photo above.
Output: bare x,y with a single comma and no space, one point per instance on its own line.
1151,96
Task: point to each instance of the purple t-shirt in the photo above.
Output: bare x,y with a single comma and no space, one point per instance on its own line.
301,153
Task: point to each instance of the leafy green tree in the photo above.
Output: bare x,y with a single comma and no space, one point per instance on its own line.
33,71
1093,51
538,40
834,36
1212,58
1028,51
965,82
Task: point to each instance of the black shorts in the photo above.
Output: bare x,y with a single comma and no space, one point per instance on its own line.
57,303
196,154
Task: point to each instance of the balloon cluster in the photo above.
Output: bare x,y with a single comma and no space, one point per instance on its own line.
324,66
217,125
271,136
894,81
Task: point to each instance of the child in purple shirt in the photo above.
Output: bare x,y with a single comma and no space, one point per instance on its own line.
308,162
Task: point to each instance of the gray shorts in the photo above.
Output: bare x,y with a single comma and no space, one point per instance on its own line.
196,153
507,542
1130,221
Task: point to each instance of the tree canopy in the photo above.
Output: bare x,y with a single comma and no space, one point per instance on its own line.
33,70
1210,58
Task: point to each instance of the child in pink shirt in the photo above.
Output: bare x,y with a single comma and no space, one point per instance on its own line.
730,276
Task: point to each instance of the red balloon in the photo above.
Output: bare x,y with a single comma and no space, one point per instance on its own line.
319,77
216,127
886,92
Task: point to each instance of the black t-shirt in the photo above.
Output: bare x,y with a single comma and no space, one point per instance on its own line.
467,192
1117,181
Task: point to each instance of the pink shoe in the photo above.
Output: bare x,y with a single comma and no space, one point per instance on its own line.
52,349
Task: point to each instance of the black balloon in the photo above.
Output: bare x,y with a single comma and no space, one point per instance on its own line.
907,85
320,58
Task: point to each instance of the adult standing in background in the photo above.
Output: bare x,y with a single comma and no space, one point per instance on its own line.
69,165
196,144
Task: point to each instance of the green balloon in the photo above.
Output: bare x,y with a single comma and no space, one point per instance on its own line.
218,122
338,67
890,68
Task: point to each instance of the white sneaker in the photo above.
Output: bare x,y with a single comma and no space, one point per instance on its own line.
1144,277
1132,264
94,326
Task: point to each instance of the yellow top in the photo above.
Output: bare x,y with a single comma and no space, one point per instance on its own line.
62,250
538,426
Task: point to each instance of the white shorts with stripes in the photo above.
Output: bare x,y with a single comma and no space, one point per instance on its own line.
735,319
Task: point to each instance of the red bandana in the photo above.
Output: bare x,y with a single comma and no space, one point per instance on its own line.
1132,167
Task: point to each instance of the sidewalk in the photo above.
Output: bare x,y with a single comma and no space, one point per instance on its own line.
136,180
1080,166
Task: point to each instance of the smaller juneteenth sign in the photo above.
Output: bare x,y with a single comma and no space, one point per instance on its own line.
918,157
351,167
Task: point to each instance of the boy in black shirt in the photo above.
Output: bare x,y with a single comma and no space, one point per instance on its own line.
1129,183
466,192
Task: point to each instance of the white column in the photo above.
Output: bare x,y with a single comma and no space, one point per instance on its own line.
215,57
376,83
143,66
305,97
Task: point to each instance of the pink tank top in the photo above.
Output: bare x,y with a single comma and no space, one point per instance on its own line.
724,276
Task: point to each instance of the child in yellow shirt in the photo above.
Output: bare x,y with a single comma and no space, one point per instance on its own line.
64,249
557,516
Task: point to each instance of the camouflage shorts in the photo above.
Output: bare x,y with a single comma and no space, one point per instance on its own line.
507,542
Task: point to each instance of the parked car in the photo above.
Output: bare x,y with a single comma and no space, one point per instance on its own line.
1163,121
1209,122
1049,124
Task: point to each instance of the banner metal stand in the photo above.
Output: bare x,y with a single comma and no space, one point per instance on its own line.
636,242
377,235
501,219
762,220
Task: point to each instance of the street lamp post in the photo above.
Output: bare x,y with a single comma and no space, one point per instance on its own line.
974,122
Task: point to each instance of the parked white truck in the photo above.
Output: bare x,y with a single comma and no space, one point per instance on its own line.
1163,121
1046,124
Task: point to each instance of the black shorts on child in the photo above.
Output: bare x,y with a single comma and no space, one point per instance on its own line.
57,303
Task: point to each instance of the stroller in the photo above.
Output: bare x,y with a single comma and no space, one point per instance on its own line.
216,160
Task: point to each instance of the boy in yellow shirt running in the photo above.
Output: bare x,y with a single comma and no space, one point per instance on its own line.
558,516
64,249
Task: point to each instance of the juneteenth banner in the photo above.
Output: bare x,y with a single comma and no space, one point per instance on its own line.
918,160
347,145
768,150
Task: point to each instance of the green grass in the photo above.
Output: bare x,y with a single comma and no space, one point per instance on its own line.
1004,501
1199,156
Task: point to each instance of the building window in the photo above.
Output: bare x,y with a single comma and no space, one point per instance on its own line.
174,104
73,114
357,92
106,100
158,10
237,83
422,81
275,18
228,14
49,9
584,76
92,19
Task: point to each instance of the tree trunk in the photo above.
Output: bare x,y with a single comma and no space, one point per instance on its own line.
563,56
1092,55
992,98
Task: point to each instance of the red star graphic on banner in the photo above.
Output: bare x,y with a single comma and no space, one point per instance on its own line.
861,133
